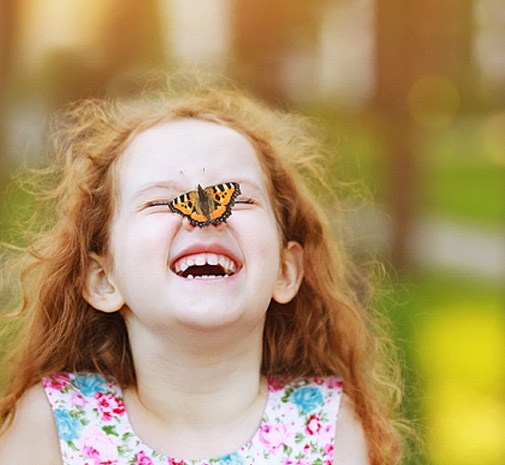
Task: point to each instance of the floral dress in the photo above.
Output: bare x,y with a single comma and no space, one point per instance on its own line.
298,425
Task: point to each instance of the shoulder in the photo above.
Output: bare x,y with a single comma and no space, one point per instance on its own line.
33,425
350,442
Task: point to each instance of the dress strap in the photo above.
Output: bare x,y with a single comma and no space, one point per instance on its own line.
301,419
90,417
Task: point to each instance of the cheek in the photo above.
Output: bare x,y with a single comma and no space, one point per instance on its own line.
144,243
264,239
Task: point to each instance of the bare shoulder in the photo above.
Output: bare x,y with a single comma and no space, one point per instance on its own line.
350,443
32,437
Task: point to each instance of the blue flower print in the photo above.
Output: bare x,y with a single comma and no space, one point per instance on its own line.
307,398
90,384
69,428
232,459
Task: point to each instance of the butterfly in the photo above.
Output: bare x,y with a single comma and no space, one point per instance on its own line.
211,205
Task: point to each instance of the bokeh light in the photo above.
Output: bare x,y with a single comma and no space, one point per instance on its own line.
493,137
462,351
434,101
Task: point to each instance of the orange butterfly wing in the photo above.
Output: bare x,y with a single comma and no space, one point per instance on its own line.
211,205
199,219
224,196
184,204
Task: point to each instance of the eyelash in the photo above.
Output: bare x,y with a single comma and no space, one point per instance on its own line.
250,201
161,203
157,203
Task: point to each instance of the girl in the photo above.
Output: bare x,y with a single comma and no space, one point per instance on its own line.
187,304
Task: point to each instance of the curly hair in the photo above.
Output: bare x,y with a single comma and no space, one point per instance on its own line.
327,329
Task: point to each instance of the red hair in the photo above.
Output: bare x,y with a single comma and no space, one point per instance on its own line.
326,330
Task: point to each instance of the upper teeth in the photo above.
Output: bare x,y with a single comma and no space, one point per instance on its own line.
227,264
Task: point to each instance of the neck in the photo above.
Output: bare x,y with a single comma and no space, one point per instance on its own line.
197,395
198,376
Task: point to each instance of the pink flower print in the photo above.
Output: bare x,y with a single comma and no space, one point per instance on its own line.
334,383
273,436
298,462
306,448
57,382
319,381
109,405
77,400
313,426
328,449
328,433
175,462
143,459
276,384
99,447
91,452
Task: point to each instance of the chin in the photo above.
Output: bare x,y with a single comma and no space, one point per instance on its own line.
225,319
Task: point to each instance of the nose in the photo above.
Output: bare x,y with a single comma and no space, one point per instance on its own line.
219,226
188,226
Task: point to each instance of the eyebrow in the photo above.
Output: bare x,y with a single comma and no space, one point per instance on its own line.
165,185
177,188
248,182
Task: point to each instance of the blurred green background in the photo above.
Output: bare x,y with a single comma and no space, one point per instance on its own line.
412,97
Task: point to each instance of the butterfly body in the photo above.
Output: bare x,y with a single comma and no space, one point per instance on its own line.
205,206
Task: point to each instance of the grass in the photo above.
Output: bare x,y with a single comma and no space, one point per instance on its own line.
475,193
451,333
464,173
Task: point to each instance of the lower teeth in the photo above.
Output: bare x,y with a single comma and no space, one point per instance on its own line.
206,276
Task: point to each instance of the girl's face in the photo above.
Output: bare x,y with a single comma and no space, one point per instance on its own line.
151,246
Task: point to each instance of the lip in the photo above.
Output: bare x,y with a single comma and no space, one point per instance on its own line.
214,248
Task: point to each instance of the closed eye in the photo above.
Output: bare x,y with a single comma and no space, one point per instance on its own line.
157,203
249,201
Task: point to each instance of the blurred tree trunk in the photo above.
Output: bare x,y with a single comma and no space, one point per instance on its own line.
265,33
415,39
9,27
132,37
128,44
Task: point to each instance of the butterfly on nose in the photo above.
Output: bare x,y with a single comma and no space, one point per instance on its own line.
204,207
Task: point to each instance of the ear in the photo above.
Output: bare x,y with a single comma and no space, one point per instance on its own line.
290,274
100,291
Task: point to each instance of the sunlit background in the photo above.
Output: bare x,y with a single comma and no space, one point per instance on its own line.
412,96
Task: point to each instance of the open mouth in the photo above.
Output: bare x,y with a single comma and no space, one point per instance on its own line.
204,266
